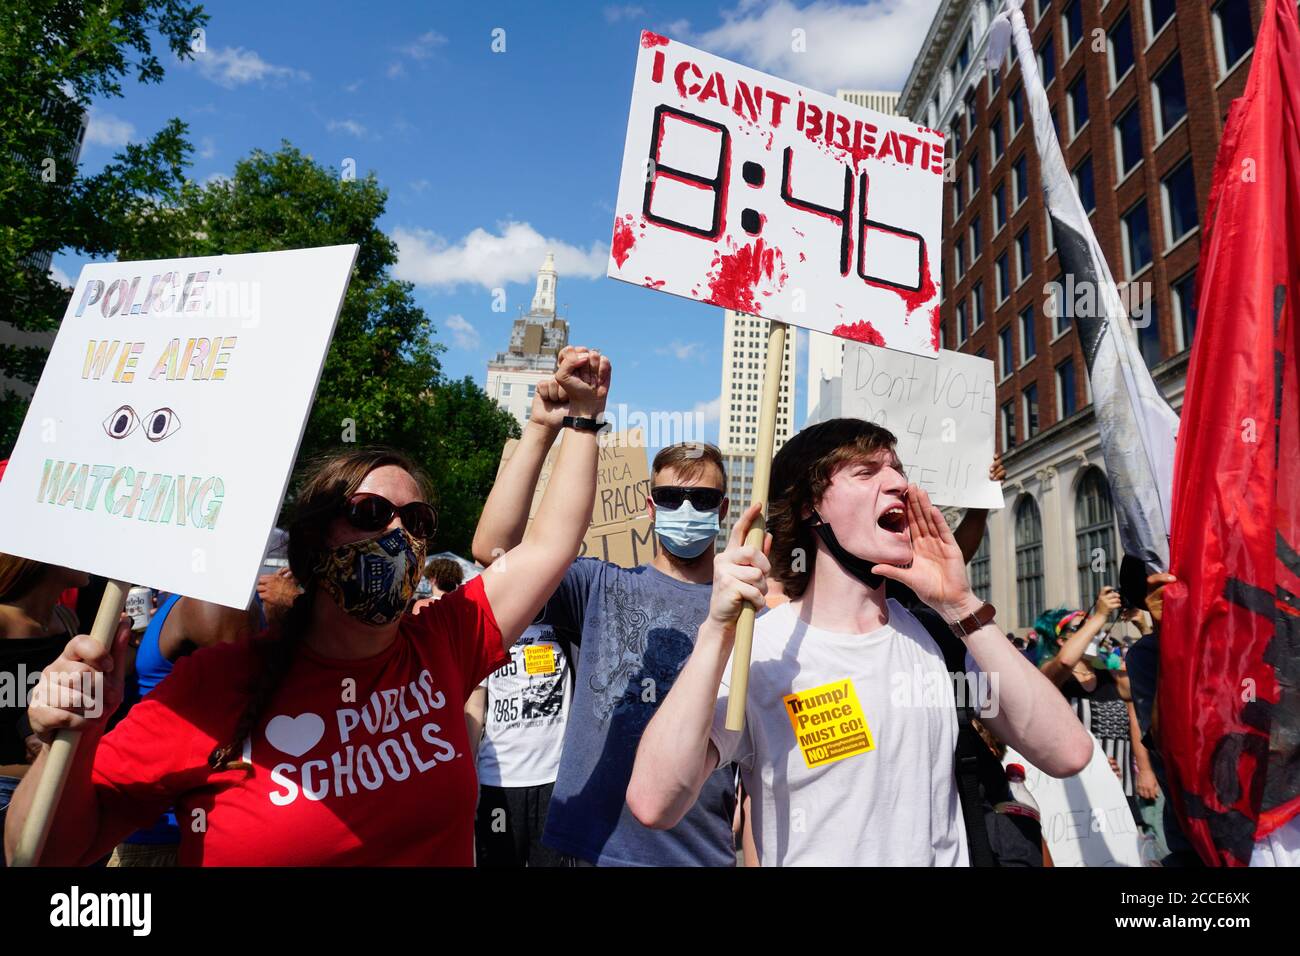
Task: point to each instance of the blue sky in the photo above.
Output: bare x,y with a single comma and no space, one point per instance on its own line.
492,158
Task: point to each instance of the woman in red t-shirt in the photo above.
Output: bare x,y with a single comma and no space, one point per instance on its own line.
337,738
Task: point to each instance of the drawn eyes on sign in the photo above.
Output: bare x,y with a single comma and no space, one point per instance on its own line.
158,424
121,422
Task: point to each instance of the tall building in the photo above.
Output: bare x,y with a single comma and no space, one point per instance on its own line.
535,340
744,358
1139,117
826,352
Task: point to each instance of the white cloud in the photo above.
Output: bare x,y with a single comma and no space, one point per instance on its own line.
858,46
61,277
677,29
353,87
105,129
513,254
626,12
682,351
207,148
423,46
235,66
463,335
351,127
213,179
395,69
710,411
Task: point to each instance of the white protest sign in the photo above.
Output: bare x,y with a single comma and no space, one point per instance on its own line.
160,439
1086,818
749,192
940,410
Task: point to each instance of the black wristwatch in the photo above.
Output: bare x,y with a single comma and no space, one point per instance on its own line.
584,424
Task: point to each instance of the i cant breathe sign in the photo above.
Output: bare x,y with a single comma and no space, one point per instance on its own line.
751,193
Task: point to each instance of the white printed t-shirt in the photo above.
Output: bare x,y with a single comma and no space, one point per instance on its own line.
527,709
880,790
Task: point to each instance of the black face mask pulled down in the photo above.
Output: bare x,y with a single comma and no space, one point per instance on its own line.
858,567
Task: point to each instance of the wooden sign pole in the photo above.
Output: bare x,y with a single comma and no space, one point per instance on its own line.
59,760
739,688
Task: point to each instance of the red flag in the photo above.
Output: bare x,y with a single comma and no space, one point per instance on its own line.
1229,691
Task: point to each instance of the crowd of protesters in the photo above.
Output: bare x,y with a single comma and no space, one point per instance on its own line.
371,708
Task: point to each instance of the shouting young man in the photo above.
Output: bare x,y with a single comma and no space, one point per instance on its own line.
850,720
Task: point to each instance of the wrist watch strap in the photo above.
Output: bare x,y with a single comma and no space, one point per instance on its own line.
973,622
584,424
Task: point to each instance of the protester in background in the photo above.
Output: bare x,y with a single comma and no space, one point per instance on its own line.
635,628
843,520
34,627
444,575
521,710
335,741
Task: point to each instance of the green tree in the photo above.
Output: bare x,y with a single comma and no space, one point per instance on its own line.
382,382
55,57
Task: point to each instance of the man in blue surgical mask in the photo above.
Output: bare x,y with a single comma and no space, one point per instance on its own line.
635,628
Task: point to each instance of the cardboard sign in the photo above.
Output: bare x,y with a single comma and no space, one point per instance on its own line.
751,193
620,531
1086,818
160,439
941,411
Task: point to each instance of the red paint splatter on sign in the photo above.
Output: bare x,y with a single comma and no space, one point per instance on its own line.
740,272
649,39
934,328
862,331
624,240
653,283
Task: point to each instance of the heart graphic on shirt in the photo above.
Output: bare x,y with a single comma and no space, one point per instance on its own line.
295,735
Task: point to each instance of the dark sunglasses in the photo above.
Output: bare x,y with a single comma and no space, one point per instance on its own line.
672,496
368,512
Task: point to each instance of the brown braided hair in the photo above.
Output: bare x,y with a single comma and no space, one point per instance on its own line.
329,484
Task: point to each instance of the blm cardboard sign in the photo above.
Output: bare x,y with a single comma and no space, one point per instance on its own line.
620,531
752,193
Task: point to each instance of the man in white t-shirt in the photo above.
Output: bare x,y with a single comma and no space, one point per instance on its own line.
850,723
521,708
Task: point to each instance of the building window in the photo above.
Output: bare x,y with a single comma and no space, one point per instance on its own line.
1030,396
1179,190
980,580
999,207
1047,61
1078,102
962,330
1004,279
1024,257
1128,140
958,201
977,305
1029,560
995,80
1183,293
1065,406
1147,325
976,240
1061,308
1233,35
505,389
958,260
995,136
1008,415
963,56
1121,49
973,169
1028,341
1050,227
1020,179
1006,353
1094,535
1072,25
1017,100
1083,185
1137,238
1159,13
970,108
532,391
1169,96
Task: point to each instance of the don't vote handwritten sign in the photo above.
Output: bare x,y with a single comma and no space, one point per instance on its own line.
167,419
749,192
940,410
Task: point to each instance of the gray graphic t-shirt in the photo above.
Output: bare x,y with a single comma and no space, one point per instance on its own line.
636,628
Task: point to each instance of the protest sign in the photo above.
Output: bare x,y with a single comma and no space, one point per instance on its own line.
941,411
749,192
620,531
1086,818
160,439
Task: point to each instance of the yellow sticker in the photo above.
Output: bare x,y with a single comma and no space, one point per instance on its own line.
539,659
828,723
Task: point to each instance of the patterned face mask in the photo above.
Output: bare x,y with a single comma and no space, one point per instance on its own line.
373,580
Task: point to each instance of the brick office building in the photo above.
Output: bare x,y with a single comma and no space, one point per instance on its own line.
1139,91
